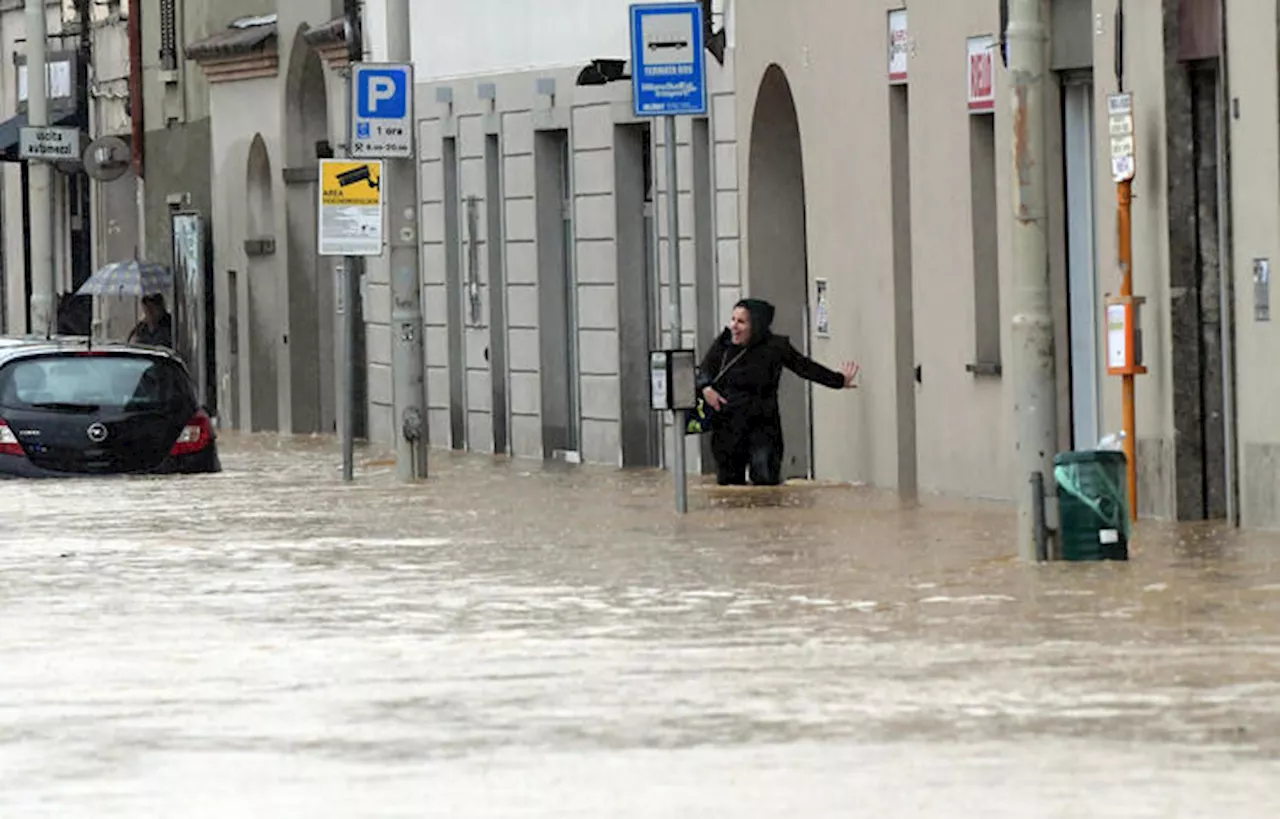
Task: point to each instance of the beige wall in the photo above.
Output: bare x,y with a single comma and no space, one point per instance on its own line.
835,57
1255,144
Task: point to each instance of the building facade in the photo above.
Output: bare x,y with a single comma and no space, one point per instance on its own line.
79,74
885,195
545,244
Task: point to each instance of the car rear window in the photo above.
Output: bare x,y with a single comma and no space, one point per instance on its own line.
96,380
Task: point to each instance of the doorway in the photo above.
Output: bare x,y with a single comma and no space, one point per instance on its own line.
497,295
907,372
777,248
557,302
1079,159
455,296
637,282
263,296
309,330
1196,273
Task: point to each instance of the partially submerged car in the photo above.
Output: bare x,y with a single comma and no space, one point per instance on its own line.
70,408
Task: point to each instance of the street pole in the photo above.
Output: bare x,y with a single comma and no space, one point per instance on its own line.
40,174
350,281
677,322
1128,387
407,360
1033,373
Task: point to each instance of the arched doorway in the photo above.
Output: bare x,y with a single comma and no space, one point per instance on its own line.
777,247
263,295
310,338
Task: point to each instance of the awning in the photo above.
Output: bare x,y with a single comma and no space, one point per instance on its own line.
11,132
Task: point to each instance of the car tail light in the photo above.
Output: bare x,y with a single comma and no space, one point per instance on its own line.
8,441
196,435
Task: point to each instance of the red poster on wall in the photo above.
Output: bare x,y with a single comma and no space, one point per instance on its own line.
982,74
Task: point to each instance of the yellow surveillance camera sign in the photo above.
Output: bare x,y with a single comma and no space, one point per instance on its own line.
351,208
351,183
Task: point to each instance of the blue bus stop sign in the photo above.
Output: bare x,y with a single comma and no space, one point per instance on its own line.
668,60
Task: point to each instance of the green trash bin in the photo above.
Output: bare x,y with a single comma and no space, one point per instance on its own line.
1093,505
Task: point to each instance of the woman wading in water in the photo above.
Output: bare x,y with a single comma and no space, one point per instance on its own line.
739,380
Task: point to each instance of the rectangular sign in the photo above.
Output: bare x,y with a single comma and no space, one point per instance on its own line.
898,46
822,322
351,206
1120,104
1262,290
1117,340
382,111
1123,145
668,60
658,395
51,144
982,74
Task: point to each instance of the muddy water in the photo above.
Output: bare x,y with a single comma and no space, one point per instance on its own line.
510,641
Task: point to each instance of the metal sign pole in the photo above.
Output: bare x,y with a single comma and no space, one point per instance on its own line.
677,322
668,80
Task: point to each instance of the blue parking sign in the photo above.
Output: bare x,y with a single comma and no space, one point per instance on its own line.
382,113
668,60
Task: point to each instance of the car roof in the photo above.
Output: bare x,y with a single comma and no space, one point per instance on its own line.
15,347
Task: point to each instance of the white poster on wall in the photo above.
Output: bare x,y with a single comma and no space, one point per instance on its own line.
823,320
898,46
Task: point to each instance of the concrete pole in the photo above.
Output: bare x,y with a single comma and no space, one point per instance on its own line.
679,467
407,360
1035,397
40,174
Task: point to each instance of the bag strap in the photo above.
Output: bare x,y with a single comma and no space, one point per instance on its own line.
724,368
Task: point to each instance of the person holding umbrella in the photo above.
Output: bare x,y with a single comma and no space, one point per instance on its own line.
156,327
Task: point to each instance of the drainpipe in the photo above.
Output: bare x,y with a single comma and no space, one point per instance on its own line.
137,115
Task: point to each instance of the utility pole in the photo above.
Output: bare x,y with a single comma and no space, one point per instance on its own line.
40,174
1035,397
1124,347
407,364
351,268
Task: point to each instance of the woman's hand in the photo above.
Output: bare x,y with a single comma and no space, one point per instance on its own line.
714,399
850,370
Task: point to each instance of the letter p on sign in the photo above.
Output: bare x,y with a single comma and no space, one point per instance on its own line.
384,94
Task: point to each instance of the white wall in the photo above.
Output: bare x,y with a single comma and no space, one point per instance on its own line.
452,39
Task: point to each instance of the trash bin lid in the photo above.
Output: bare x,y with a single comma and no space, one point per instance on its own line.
1089,456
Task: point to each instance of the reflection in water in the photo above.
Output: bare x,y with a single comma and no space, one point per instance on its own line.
507,641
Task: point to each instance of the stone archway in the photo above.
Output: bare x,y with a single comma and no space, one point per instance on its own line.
309,292
263,294
777,247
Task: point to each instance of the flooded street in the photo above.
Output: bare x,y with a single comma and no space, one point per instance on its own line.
514,641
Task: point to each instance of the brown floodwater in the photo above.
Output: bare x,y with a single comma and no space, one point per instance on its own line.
514,640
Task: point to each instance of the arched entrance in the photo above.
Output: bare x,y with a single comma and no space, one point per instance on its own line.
310,294
263,296
777,247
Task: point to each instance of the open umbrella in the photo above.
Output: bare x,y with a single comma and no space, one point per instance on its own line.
128,278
